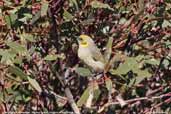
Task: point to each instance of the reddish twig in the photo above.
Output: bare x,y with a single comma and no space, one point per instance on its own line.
133,100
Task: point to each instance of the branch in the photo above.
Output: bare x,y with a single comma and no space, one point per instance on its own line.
68,92
55,41
133,100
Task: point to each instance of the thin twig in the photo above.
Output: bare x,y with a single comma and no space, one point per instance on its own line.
133,100
158,105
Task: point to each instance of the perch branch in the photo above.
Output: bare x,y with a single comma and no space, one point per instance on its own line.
135,99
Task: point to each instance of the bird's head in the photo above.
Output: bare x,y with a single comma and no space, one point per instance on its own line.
84,40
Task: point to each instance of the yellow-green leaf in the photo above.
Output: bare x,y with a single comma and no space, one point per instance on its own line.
44,8
16,46
108,84
18,72
108,51
83,98
83,71
34,84
97,4
67,16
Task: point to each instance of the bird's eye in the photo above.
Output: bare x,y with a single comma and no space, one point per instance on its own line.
80,39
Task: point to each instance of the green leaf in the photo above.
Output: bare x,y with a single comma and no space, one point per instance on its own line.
139,79
7,56
97,4
24,19
28,37
108,51
7,3
166,23
123,21
166,63
75,3
18,72
130,64
35,17
34,84
87,21
1,97
84,97
135,81
16,46
97,93
152,61
1,12
44,8
67,16
18,60
167,43
10,19
142,73
83,71
108,83
28,15
53,57
50,57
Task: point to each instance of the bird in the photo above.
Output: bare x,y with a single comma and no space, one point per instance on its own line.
90,54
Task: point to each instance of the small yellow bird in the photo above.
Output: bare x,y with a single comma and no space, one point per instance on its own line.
90,54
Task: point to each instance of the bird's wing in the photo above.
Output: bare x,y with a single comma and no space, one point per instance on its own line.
97,55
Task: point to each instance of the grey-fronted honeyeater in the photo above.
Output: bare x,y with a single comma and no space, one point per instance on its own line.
90,54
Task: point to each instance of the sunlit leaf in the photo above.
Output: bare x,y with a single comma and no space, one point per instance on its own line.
84,97
108,84
152,61
53,57
28,37
97,4
28,15
18,60
34,84
24,19
139,79
88,21
18,72
130,64
143,73
108,51
7,56
83,71
44,8
16,46
67,16
35,17
10,19
50,57
166,23
75,3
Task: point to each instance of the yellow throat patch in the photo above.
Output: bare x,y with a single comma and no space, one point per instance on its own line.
84,43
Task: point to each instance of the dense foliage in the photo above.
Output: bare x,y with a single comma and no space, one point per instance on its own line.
40,70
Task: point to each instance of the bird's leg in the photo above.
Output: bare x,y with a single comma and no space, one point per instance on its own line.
100,78
105,77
